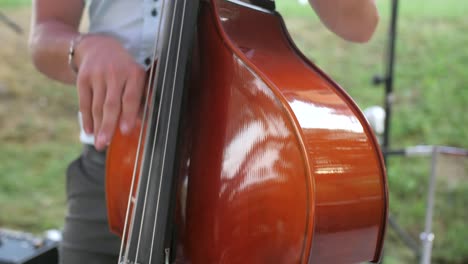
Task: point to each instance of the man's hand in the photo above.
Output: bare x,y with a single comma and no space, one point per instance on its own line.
352,20
109,81
110,86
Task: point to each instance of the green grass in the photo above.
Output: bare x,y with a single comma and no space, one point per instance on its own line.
38,130
33,184
38,135
14,3
415,8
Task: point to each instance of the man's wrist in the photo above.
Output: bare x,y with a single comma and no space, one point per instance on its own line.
72,52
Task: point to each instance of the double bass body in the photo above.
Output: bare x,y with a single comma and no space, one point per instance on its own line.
277,163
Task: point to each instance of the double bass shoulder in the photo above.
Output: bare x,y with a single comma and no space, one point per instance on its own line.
267,161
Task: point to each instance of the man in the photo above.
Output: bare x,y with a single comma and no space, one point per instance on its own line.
108,66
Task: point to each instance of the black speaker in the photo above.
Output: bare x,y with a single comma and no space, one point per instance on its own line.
24,248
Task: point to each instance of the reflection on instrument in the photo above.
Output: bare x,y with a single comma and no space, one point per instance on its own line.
274,161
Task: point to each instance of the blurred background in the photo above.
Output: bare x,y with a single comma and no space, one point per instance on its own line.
39,130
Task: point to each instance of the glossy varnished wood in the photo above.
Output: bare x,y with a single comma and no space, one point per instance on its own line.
248,197
347,171
121,165
278,164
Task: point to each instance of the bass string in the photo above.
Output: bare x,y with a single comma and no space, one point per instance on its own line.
169,119
151,160
138,153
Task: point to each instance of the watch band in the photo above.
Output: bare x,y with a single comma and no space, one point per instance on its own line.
71,52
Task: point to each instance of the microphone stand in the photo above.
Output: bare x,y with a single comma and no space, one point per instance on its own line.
9,23
387,80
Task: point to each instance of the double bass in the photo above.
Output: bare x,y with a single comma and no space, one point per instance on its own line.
246,153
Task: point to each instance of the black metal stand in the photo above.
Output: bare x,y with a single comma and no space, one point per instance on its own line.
7,21
389,99
389,75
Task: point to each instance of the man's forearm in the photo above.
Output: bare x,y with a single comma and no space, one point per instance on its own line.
49,43
353,20
54,24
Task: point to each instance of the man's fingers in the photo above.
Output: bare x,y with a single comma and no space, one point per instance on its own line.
112,107
131,100
99,94
85,96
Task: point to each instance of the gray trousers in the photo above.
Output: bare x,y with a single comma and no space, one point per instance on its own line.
86,235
